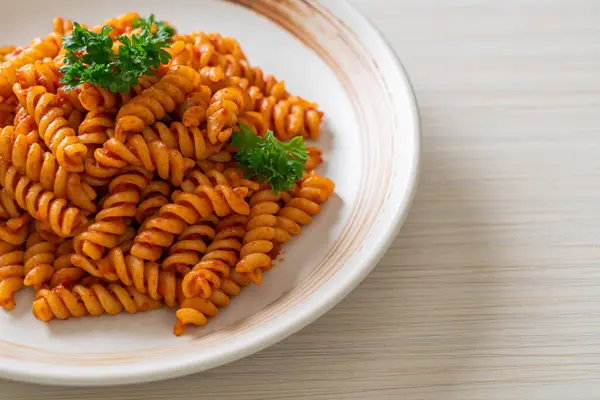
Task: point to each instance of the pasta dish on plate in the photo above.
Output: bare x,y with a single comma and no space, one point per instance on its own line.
141,167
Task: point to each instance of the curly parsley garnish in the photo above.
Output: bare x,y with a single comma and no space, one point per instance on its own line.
277,163
90,57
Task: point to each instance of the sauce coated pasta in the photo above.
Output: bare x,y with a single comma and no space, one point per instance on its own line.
163,169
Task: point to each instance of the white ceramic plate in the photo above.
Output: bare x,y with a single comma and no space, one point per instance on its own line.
326,52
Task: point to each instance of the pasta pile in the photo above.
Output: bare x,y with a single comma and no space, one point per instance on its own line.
125,201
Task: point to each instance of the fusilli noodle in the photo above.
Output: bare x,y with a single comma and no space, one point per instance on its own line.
189,247
145,150
39,49
13,221
41,204
186,209
152,104
96,299
222,114
53,127
38,258
120,205
41,72
30,158
65,272
11,274
213,282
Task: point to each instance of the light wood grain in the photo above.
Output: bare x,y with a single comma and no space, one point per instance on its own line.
492,289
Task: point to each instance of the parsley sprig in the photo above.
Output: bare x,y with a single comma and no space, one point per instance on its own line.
90,57
277,163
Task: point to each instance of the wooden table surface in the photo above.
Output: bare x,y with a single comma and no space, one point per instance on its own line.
492,289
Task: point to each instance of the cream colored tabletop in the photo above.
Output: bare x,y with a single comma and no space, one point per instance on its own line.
492,289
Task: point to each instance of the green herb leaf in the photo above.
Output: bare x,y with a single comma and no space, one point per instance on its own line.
91,58
163,31
277,163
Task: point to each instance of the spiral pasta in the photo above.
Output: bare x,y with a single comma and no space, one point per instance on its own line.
13,221
199,50
95,129
65,272
189,247
152,104
195,310
255,121
120,25
62,26
39,49
306,202
8,207
7,52
183,53
119,206
145,277
113,202
41,204
213,77
38,258
53,127
72,112
193,109
191,142
39,73
93,98
222,114
97,299
29,158
314,158
291,117
268,85
186,209
226,45
262,234
213,282
154,196
45,231
145,150
11,274
212,271
71,268
70,105
14,231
